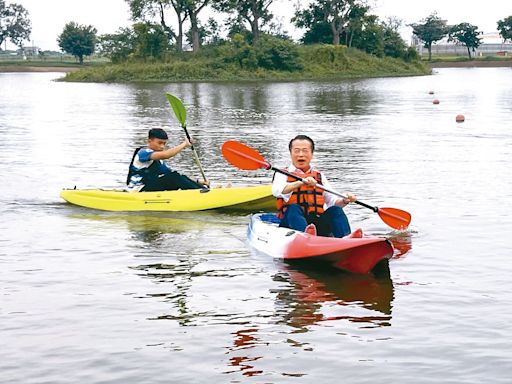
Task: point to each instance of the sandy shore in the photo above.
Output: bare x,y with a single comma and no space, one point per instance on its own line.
19,68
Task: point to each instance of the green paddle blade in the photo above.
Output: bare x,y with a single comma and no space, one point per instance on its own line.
178,108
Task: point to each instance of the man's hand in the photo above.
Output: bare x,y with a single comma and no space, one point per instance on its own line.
349,198
310,181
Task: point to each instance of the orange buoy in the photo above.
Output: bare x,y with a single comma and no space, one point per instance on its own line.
435,101
460,118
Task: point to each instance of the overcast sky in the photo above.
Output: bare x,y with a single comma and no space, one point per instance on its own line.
107,16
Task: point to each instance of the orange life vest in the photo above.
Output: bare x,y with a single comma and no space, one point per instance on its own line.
310,199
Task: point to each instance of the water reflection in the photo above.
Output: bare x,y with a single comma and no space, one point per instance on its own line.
402,242
244,339
311,296
149,229
342,99
177,279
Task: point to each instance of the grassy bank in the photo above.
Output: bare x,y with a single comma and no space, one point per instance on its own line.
67,64
323,62
464,61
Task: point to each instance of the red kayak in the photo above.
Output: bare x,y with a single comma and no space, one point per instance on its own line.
352,254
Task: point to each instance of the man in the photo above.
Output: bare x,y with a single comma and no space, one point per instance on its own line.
149,173
300,203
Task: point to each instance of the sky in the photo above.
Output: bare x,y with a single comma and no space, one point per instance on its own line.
107,16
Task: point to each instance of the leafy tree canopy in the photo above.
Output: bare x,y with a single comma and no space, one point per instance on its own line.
505,28
78,40
117,46
466,34
150,41
254,12
14,23
430,30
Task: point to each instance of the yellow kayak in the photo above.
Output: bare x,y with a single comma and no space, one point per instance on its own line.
258,198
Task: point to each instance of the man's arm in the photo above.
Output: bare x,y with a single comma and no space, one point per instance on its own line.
282,188
331,199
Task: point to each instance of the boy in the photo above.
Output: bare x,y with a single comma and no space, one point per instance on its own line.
148,172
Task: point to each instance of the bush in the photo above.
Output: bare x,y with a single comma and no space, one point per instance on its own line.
271,53
277,54
411,54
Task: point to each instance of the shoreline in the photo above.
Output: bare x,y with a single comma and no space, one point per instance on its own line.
30,68
471,64
434,64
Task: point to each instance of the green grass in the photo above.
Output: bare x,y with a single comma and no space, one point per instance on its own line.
320,62
49,61
453,59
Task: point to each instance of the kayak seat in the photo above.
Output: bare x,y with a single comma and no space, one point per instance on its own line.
270,218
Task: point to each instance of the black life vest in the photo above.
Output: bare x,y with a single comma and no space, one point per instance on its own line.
149,175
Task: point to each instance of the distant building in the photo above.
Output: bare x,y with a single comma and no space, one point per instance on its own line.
28,51
492,44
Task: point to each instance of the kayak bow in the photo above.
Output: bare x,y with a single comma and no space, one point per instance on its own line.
258,198
357,255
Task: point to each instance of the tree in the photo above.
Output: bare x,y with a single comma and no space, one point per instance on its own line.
147,10
505,28
212,32
466,34
14,23
317,28
117,46
430,30
338,14
78,40
371,39
394,45
356,19
150,41
193,9
255,12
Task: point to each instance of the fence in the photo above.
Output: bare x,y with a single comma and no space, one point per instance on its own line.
504,49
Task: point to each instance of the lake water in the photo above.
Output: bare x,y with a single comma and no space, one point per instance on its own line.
98,297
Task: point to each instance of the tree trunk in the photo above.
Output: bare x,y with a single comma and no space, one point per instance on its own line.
179,37
255,29
429,47
469,52
335,34
195,32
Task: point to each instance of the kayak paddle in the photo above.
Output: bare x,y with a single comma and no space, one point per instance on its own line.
181,115
247,158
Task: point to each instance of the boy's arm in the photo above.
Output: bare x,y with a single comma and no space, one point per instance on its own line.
171,152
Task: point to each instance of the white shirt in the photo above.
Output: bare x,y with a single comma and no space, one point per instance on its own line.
280,181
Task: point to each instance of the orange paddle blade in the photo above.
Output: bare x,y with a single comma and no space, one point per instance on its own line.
395,218
242,156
